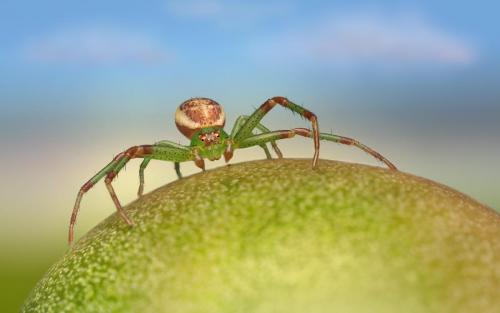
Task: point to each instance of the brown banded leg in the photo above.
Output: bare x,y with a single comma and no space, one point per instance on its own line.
246,129
86,187
347,141
283,134
119,208
110,171
122,160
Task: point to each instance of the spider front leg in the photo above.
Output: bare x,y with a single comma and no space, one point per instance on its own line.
246,129
284,134
158,152
241,120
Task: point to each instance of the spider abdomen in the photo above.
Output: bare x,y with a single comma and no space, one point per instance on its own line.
197,113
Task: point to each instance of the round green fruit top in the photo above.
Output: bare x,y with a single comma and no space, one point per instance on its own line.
277,236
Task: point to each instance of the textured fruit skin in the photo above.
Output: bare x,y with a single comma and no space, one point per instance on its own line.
277,236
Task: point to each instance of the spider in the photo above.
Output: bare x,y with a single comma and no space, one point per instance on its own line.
202,120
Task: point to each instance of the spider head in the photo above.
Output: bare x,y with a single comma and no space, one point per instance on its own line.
208,140
196,114
208,137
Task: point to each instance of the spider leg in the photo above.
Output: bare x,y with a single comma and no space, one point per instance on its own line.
143,166
283,134
266,151
119,208
146,161
198,160
352,142
166,143
135,151
254,119
241,120
177,167
157,152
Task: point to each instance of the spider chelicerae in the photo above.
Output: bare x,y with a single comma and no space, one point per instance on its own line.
202,120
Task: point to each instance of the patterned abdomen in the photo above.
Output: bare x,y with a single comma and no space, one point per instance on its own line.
197,113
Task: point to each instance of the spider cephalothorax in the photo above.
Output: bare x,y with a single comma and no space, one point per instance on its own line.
202,121
209,143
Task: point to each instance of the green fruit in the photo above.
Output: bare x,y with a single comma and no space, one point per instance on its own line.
277,236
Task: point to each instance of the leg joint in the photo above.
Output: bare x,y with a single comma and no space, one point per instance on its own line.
138,151
287,134
347,141
281,100
302,132
310,116
110,177
86,187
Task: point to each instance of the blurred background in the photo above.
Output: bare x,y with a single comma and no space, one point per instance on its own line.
82,81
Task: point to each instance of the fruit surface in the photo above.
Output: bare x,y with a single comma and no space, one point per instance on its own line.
277,236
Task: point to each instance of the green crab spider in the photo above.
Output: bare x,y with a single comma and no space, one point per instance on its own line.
202,120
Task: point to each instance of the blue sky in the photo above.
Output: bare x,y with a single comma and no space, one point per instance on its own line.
74,42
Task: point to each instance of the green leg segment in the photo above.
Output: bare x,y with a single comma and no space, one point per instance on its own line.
145,162
241,120
253,120
177,167
175,153
143,166
283,134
